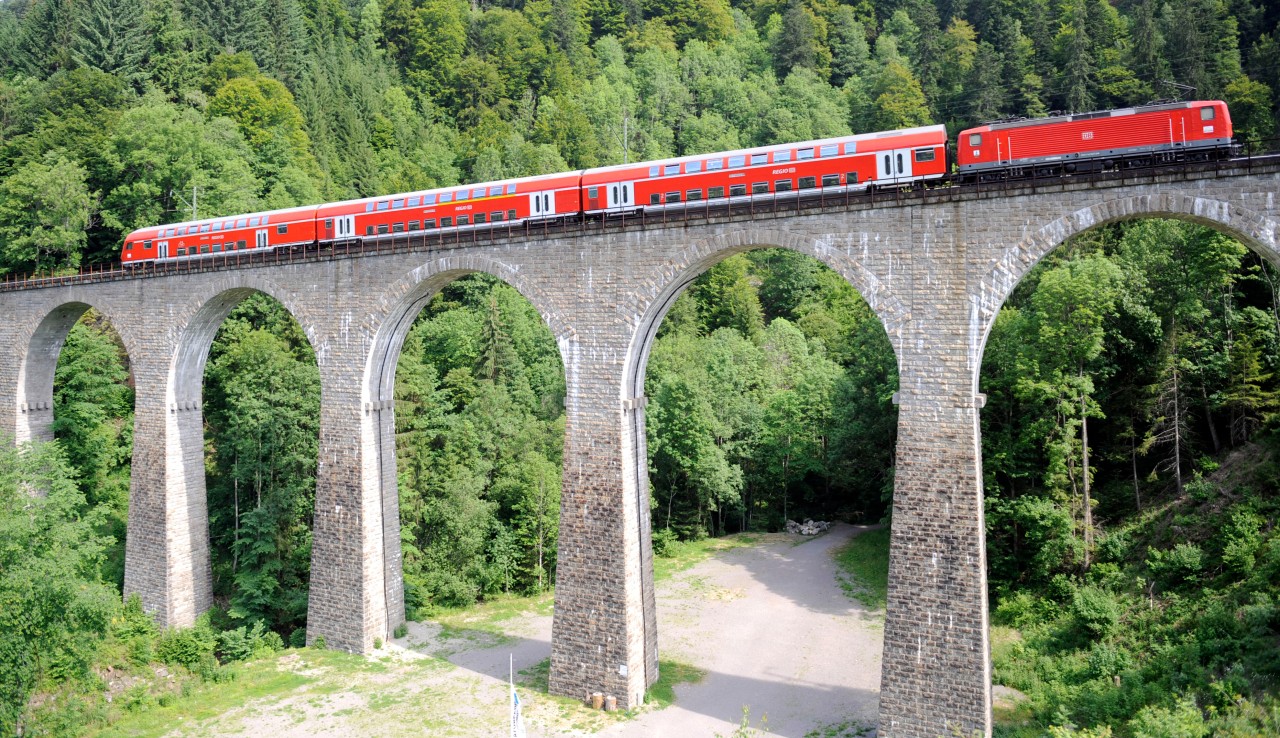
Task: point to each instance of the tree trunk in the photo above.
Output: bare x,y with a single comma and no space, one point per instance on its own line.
1208,418
1133,460
1177,429
1084,479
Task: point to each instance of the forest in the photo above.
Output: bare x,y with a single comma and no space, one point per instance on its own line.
1129,440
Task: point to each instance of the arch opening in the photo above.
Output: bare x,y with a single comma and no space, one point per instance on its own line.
466,394
767,383
245,398
80,362
1130,383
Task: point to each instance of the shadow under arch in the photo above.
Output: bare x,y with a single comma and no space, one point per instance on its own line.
1256,231
197,323
39,364
399,308
652,307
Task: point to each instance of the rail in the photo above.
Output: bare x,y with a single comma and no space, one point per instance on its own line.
773,205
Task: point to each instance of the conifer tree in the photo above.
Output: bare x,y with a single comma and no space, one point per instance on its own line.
110,38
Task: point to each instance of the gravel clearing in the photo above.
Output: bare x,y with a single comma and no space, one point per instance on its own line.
767,623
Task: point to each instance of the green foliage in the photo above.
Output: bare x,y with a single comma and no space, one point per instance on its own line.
262,407
54,608
1163,631
45,213
1096,609
188,646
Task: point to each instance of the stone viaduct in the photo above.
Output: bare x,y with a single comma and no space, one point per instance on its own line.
935,266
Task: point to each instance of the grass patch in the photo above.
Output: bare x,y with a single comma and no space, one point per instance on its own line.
253,680
670,673
864,568
681,555
843,729
576,714
488,614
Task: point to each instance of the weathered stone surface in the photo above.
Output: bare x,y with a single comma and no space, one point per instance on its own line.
936,268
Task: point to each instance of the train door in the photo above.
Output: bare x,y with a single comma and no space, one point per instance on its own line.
895,164
621,195
260,239
162,249
542,204
346,226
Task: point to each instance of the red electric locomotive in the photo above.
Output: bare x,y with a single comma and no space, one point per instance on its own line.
1103,140
893,158
543,197
272,229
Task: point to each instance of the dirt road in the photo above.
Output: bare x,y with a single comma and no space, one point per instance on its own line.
767,625
775,633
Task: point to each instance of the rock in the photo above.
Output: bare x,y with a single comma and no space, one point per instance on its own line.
808,527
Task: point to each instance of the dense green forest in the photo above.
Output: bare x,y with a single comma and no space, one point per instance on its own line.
1129,441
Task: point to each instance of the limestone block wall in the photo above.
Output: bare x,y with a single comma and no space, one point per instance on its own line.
935,267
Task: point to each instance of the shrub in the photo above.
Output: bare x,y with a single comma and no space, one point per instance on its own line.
187,646
298,638
319,643
141,650
1240,541
271,642
1183,720
237,645
1114,547
1107,660
136,698
1097,610
1201,489
377,644
133,621
401,630
241,643
211,671
1181,564
662,541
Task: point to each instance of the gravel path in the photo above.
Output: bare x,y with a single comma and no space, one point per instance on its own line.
776,634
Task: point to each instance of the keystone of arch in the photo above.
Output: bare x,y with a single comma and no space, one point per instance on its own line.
1008,270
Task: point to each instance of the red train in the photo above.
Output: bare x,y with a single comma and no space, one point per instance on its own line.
1109,139
909,157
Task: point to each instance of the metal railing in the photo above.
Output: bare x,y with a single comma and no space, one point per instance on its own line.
750,207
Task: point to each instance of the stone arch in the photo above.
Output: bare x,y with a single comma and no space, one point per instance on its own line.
40,360
651,304
388,326
199,319
653,301
406,298
195,323
1258,232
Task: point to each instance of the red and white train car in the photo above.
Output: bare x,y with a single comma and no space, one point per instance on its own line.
1093,141
195,239
508,200
889,158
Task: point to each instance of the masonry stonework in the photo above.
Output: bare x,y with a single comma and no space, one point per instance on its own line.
935,266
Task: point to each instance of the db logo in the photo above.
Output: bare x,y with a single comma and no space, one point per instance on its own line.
1087,136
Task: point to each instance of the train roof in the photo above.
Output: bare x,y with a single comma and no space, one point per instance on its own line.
571,177
303,209
918,131
1070,117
